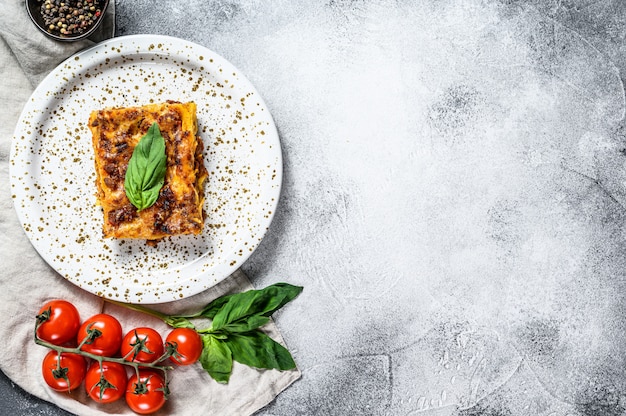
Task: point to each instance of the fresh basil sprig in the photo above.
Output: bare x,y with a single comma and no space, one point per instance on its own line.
235,334
146,169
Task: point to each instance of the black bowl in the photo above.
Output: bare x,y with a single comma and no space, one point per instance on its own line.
34,11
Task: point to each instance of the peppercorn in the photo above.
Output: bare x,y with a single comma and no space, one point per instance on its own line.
70,17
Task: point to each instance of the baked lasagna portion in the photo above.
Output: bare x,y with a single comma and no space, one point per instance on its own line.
178,208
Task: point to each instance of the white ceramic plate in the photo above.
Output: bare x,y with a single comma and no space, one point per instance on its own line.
53,177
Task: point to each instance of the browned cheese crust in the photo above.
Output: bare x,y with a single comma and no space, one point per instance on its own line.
178,209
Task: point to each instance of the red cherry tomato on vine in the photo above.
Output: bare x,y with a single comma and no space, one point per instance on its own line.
109,331
188,345
145,395
143,345
106,384
60,322
66,374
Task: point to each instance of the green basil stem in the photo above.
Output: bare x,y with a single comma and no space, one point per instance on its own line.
170,320
167,319
139,308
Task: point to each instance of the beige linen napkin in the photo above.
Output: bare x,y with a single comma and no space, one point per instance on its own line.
27,282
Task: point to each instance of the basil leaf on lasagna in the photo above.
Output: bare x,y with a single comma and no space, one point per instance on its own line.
145,174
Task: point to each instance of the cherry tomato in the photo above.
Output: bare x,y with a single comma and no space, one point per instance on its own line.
63,375
60,322
146,394
106,384
187,344
109,335
143,345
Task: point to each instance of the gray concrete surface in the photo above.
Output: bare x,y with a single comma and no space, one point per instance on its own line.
454,199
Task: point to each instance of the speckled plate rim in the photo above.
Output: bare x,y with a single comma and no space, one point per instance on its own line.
203,273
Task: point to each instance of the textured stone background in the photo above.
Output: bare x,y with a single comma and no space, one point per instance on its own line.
454,198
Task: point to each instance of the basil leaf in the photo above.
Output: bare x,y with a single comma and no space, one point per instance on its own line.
145,174
247,324
262,302
213,308
257,349
216,358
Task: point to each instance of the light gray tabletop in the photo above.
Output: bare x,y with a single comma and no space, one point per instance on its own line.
453,199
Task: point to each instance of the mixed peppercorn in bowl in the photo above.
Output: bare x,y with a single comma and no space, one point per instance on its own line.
67,20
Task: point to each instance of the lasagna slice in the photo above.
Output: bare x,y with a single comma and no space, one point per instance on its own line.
178,209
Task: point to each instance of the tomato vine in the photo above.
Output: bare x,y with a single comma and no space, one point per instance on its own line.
164,369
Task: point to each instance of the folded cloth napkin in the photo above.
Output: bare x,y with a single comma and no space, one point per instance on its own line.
27,282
